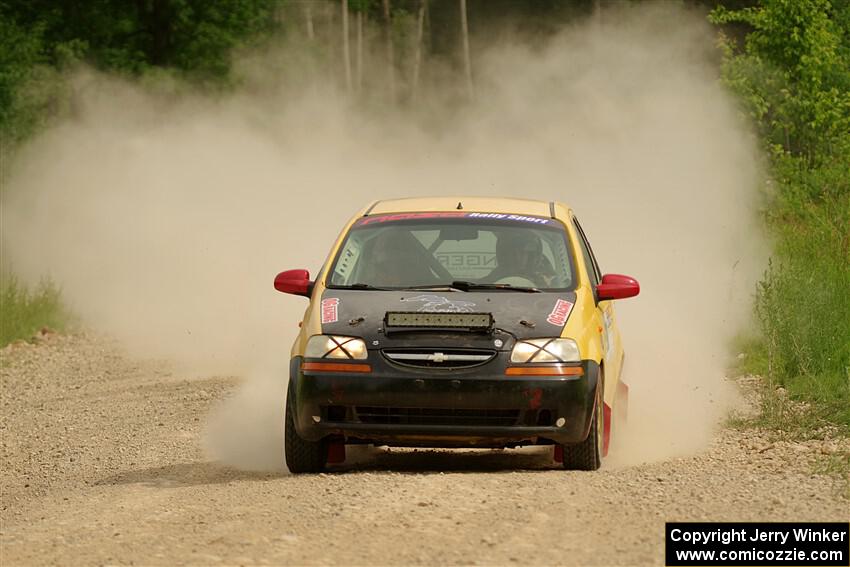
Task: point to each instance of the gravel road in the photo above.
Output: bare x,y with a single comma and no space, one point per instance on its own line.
101,463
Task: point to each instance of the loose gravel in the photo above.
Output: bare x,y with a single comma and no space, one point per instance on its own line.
101,464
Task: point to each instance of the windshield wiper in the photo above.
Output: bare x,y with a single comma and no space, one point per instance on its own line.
461,285
433,287
457,285
363,286
470,286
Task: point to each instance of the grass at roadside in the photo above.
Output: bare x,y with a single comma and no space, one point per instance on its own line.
24,311
803,301
803,304
810,411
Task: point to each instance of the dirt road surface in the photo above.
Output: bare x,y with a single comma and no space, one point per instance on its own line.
101,464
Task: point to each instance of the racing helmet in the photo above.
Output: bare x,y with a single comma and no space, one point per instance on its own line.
519,249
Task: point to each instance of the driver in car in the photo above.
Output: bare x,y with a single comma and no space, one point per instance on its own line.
395,260
520,256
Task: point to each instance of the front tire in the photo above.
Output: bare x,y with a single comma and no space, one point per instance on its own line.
302,456
587,455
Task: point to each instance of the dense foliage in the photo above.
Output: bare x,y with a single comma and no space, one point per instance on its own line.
39,38
793,76
194,40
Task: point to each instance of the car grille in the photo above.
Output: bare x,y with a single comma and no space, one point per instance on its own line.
437,416
382,415
439,358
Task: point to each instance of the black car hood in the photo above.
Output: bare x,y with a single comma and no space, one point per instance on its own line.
516,315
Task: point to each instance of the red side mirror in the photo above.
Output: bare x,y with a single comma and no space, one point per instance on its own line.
296,282
616,286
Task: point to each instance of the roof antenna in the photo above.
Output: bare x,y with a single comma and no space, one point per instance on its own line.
459,205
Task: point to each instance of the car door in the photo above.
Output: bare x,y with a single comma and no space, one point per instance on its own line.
611,347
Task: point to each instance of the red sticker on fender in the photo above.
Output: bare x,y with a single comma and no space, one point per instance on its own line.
559,314
329,310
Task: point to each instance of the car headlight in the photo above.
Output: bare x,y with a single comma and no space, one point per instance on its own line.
545,350
333,346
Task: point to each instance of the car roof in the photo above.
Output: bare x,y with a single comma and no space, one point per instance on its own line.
470,204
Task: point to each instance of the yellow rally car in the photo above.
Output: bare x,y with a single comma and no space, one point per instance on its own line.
456,322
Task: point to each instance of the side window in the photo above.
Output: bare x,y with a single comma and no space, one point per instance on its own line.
589,259
347,262
555,251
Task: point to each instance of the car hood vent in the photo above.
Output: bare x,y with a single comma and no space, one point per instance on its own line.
439,358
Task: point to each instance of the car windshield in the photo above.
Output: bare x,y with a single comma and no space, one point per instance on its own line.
460,250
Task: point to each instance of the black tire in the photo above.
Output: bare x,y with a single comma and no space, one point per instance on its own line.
587,455
302,456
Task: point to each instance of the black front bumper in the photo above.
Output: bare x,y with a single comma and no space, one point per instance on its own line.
480,407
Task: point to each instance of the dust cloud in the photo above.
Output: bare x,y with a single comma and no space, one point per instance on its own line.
165,215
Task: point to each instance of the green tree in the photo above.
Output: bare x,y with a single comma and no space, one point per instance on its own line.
795,72
193,36
20,51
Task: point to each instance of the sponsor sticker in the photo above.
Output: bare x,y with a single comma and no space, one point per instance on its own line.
407,216
440,304
330,311
560,312
502,216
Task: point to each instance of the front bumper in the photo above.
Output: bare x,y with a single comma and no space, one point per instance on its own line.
479,407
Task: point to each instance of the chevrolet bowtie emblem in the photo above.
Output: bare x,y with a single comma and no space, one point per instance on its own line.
437,357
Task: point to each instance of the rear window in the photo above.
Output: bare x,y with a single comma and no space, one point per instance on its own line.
429,249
